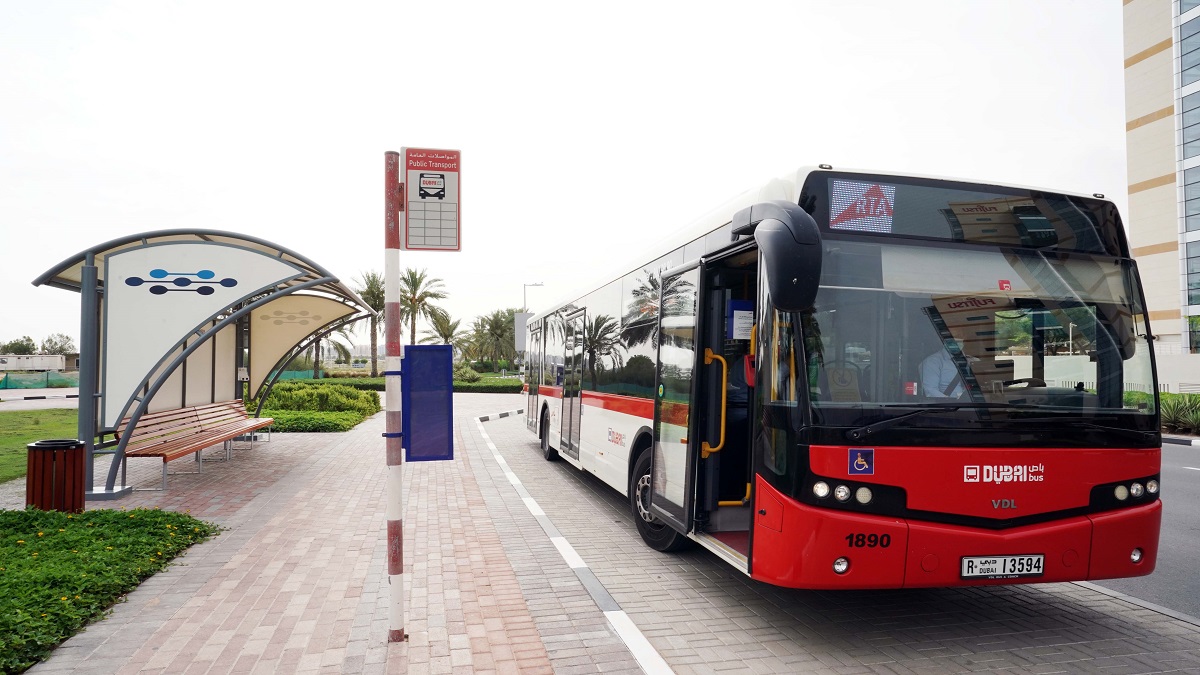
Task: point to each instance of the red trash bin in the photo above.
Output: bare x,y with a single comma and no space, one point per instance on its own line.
54,475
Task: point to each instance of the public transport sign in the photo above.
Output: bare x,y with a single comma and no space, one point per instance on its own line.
432,200
846,379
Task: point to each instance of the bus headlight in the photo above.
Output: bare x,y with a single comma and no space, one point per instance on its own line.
1137,490
841,493
1136,556
1152,486
1121,493
841,565
821,489
863,495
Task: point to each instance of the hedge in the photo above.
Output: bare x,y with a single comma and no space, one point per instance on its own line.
481,387
313,421
322,396
488,387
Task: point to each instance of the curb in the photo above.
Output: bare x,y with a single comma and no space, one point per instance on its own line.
1194,442
37,398
507,413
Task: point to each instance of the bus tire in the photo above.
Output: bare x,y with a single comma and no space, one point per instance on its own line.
548,453
657,534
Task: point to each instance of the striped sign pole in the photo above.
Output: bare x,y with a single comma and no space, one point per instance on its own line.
394,353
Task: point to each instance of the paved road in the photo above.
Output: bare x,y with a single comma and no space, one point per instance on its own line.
296,584
1175,583
19,399
703,617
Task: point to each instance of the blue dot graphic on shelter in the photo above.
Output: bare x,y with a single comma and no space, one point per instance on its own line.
182,281
280,317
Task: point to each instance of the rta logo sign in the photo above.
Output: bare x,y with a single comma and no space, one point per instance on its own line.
970,474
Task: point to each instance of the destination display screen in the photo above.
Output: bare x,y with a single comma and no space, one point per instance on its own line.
956,211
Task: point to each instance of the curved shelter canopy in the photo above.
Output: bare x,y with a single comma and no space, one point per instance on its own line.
177,318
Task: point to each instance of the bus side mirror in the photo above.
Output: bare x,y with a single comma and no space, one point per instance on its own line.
791,248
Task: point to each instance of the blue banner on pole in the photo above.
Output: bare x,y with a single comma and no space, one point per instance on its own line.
427,402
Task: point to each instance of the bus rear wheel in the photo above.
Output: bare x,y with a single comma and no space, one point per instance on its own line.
549,453
657,534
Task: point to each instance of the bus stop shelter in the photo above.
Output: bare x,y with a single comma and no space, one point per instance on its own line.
177,318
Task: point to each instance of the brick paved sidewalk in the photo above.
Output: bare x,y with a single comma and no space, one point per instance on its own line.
296,582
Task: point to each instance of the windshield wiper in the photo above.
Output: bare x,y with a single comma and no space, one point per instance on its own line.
862,432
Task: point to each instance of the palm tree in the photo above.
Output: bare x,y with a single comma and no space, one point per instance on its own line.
371,290
493,335
338,346
341,346
641,317
602,338
417,293
444,331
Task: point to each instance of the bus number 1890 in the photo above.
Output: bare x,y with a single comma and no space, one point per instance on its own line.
861,540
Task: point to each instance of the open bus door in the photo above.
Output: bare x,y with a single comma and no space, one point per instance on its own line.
533,378
672,468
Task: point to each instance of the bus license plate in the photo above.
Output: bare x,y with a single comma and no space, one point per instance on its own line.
1002,566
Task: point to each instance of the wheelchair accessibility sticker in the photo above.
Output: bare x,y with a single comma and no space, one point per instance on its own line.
862,462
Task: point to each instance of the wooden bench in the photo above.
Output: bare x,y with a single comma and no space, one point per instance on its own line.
172,434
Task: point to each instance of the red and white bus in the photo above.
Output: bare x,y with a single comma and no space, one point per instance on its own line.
854,380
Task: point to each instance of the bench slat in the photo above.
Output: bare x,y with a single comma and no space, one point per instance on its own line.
177,433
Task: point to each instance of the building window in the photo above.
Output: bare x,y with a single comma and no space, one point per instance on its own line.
1193,272
1191,124
1191,196
1194,331
1189,52
1187,5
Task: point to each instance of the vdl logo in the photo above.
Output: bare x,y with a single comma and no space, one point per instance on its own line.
203,282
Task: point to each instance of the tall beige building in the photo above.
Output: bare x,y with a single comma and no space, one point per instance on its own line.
1162,130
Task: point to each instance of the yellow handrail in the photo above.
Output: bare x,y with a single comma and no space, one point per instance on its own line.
745,500
709,357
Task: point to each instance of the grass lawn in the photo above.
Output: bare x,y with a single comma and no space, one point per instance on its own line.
21,427
61,571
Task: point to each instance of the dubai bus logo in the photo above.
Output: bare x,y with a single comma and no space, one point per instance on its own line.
862,206
1005,473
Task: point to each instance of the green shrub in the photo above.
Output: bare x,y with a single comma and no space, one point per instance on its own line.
465,373
1134,399
363,382
483,386
60,571
308,421
321,397
489,367
489,387
1176,409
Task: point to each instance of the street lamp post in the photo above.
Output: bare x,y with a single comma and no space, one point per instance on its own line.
525,308
524,303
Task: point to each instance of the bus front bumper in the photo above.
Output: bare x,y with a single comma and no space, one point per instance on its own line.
800,546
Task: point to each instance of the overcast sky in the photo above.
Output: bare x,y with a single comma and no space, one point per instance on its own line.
586,130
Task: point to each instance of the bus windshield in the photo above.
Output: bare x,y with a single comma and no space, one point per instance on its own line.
995,333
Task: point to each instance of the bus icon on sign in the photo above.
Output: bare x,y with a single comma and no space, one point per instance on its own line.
432,185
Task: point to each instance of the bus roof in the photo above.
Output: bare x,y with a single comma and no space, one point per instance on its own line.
783,188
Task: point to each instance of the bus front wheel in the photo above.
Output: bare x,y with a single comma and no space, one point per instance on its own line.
549,453
657,534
